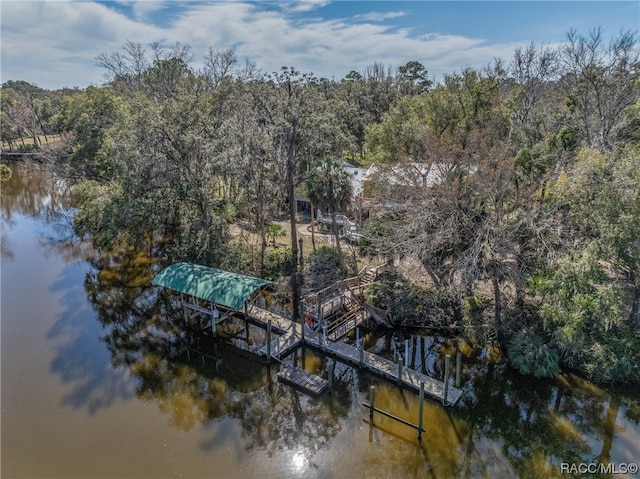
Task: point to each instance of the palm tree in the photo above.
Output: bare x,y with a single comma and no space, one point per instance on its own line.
329,187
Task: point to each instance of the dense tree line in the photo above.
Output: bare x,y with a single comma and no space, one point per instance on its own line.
513,189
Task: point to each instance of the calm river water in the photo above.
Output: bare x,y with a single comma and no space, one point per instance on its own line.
97,382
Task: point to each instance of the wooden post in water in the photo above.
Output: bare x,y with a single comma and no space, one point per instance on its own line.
330,367
458,368
372,397
400,370
324,334
447,364
319,313
406,352
184,309
420,410
214,318
358,337
268,341
361,350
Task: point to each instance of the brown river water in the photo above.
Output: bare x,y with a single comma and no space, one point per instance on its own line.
100,381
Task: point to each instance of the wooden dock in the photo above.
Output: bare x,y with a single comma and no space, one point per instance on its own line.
402,375
290,340
302,379
289,336
261,317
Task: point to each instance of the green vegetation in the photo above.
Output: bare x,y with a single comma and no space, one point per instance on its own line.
508,197
5,172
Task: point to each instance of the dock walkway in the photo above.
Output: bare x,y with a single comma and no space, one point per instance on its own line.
405,376
262,317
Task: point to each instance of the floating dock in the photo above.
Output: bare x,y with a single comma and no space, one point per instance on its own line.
302,379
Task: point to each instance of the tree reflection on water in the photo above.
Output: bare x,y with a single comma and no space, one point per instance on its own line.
193,376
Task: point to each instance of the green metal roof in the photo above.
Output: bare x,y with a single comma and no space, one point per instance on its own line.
212,284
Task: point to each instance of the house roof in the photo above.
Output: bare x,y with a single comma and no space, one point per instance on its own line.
218,286
410,174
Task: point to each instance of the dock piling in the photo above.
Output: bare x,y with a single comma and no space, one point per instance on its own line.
400,371
406,352
214,318
420,410
458,368
330,366
447,365
324,334
372,397
185,313
268,341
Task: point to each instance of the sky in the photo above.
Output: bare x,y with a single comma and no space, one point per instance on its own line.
54,44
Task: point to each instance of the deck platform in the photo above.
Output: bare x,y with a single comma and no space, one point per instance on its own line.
308,382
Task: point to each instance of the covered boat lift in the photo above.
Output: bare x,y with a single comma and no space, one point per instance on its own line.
230,291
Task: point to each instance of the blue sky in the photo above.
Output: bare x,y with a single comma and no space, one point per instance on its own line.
54,44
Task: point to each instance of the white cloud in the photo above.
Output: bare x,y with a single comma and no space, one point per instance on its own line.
378,16
142,9
54,44
305,5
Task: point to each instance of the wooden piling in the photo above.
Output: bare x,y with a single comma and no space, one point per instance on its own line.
406,352
372,397
361,351
268,341
330,366
214,319
185,313
324,334
447,365
400,371
458,368
420,410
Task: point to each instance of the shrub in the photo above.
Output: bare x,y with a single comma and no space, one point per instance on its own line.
530,355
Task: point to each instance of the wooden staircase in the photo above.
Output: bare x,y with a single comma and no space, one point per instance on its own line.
354,316
368,276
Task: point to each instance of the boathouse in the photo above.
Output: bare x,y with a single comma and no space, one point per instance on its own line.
219,288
